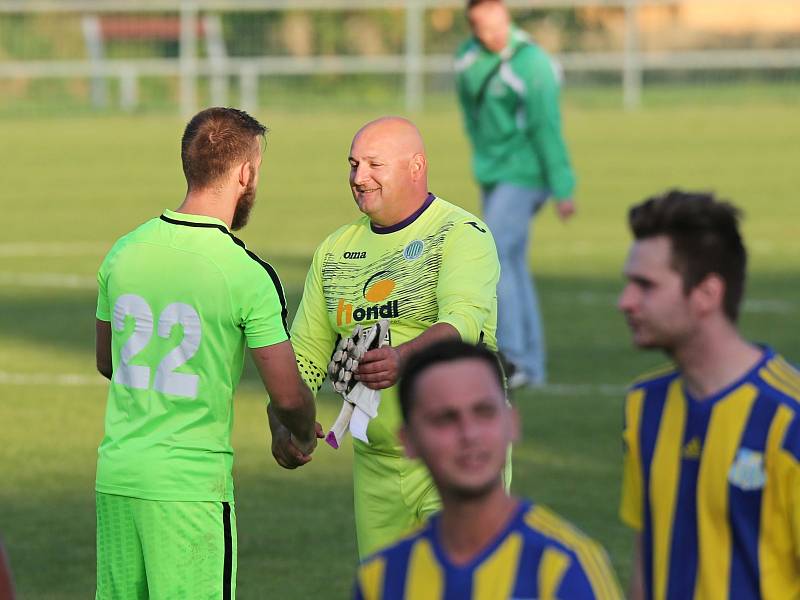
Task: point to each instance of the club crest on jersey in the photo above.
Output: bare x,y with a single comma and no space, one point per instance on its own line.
692,449
413,250
747,471
376,290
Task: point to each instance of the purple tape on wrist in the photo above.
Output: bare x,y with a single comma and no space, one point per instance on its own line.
331,440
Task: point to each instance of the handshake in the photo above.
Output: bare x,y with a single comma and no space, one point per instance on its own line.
360,402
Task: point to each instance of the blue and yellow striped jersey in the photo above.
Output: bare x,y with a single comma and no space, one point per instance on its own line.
714,485
537,555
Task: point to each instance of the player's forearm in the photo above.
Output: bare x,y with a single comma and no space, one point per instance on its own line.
290,397
296,413
436,333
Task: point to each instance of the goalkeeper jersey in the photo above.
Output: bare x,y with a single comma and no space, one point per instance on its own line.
537,555
183,297
714,485
437,266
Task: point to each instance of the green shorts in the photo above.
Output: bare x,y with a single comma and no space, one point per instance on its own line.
392,496
163,550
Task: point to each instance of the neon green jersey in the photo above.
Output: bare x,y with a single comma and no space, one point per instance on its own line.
183,297
438,266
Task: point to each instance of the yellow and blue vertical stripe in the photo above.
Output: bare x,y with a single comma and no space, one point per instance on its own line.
538,555
713,485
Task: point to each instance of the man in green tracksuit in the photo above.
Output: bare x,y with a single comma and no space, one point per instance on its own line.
509,92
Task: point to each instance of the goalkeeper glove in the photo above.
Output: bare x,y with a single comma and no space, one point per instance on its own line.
360,403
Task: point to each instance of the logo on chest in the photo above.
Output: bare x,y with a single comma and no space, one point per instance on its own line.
413,250
692,449
747,471
375,291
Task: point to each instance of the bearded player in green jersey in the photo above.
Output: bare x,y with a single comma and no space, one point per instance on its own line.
427,266
179,298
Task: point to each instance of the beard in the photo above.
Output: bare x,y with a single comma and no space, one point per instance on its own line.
244,205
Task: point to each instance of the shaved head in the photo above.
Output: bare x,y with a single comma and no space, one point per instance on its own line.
399,133
388,170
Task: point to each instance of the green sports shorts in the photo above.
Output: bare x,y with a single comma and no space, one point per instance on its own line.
152,549
392,496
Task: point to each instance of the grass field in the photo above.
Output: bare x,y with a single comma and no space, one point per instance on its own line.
71,186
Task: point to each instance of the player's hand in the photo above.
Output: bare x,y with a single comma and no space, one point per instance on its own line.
565,209
286,449
308,448
379,368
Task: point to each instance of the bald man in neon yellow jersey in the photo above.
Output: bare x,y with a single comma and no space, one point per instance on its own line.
429,267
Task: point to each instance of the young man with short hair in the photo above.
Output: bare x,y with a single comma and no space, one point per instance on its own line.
485,544
712,463
179,298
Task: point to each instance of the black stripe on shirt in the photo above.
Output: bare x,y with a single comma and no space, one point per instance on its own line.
273,275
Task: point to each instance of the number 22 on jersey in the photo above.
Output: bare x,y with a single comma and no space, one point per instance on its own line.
166,380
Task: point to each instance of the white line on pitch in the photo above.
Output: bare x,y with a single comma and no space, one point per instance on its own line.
34,249
50,280
99,249
552,389
85,282
753,305
60,379
79,379
571,389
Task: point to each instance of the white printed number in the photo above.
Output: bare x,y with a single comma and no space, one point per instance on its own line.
166,379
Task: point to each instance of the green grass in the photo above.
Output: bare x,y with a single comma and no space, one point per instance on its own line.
81,182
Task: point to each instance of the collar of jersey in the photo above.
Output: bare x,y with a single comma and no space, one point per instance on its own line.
441,555
191,219
405,222
752,374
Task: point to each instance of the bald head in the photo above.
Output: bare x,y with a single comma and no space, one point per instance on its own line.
388,170
397,134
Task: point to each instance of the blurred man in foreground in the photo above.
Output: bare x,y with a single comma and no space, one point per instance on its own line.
179,299
428,267
485,544
712,464
509,95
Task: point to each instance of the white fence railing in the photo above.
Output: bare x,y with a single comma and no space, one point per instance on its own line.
413,64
